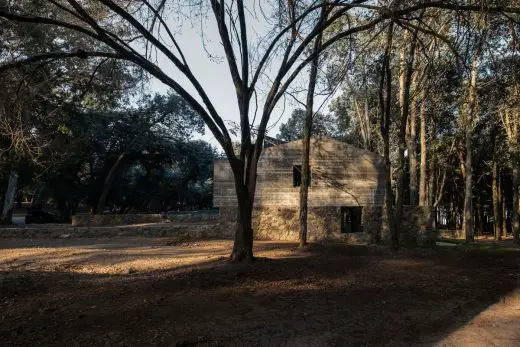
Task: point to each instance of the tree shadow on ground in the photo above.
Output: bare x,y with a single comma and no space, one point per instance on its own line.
326,295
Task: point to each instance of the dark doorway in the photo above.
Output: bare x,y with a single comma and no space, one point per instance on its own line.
351,220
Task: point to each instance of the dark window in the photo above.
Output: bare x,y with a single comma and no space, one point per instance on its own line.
351,221
297,175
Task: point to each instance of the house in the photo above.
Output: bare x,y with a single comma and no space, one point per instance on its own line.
346,193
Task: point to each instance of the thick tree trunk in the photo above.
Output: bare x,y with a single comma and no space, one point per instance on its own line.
109,180
6,217
243,243
497,213
307,130
423,196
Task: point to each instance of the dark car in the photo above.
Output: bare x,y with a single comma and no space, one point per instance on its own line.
40,216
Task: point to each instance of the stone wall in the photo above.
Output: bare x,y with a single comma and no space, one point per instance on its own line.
171,230
282,223
193,218
324,223
90,220
416,225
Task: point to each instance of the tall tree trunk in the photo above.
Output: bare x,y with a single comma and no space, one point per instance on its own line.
452,223
515,215
468,184
412,146
6,217
109,180
363,116
385,102
403,112
511,123
468,194
423,197
367,138
497,213
307,129
504,211
481,219
407,63
431,176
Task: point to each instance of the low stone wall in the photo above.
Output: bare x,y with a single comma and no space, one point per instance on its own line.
180,232
193,218
99,220
182,226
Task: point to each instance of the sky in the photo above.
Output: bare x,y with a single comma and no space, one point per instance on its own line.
214,74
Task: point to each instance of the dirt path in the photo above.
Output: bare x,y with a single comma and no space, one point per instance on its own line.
133,291
498,325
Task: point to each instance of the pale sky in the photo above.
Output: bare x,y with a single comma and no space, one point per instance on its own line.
214,76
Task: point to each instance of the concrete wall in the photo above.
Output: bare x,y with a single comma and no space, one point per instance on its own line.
342,175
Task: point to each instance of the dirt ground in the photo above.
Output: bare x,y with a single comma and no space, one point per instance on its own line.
136,291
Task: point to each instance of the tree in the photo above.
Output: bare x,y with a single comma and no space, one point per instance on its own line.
385,102
171,116
293,129
307,131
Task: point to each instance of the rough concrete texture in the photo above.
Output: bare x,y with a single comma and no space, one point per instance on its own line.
341,175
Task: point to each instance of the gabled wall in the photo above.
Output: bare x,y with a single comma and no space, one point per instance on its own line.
342,175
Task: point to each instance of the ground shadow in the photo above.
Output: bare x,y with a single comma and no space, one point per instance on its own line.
327,295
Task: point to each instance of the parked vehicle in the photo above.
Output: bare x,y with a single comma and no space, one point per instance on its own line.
37,215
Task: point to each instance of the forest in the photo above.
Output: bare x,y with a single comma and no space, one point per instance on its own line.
432,86
140,138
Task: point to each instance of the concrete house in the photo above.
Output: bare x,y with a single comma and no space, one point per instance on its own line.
346,193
